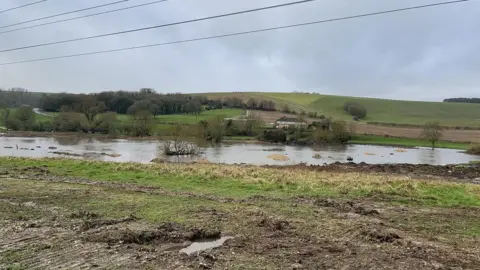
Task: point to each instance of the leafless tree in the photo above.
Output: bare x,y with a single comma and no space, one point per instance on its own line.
433,132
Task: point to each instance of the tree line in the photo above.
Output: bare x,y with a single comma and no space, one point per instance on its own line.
17,96
462,100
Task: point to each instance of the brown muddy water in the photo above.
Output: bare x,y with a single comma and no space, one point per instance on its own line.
142,151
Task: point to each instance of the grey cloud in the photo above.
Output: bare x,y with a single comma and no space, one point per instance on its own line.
423,54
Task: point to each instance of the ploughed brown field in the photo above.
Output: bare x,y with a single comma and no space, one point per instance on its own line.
407,132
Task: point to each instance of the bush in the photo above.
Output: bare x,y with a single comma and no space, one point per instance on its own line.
69,122
42,126
357,110
25,117
274,135
13,124
347,104
340,132
474,149
107,123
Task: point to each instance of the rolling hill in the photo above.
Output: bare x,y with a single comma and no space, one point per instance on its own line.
379,110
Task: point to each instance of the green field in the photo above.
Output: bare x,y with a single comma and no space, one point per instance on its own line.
189,118
379,110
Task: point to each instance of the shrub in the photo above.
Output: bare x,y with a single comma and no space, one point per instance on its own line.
474,149
69,122
25,117
13,124
357,110
340,132
275,135
107,123
42,126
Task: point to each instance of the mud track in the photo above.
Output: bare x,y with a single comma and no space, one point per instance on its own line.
269,233
462,173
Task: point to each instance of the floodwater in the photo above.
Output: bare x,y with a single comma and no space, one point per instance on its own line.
204,245
144,151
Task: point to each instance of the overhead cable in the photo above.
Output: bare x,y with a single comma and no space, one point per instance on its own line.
235,34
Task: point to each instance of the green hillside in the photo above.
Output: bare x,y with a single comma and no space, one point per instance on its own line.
379,110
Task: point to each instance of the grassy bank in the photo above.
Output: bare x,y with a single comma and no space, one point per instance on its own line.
241,182
406,142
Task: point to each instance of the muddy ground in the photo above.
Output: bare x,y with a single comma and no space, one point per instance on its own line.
50,222
465,173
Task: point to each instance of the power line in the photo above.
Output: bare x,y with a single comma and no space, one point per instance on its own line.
65,13
22,6
85,16
235,34
158,26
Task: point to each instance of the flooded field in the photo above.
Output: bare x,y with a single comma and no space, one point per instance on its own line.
121,150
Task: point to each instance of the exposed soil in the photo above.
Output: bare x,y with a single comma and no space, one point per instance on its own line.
470,173
43,232
415,132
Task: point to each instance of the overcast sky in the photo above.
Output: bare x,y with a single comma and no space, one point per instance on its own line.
426,54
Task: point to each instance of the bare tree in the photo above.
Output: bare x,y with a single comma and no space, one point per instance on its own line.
180,145
433,132
143,123
90,107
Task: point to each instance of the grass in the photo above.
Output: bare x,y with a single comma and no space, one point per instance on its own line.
189,118
242,182
45,213
404,112
407,142
298,98
379,110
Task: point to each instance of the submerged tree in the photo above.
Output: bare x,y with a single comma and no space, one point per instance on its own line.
433,132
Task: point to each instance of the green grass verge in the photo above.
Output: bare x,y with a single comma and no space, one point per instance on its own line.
240,182
407,142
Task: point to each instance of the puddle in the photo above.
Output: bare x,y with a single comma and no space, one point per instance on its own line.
204,245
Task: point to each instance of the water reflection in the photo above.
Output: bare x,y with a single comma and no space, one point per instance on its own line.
146,150
67,140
